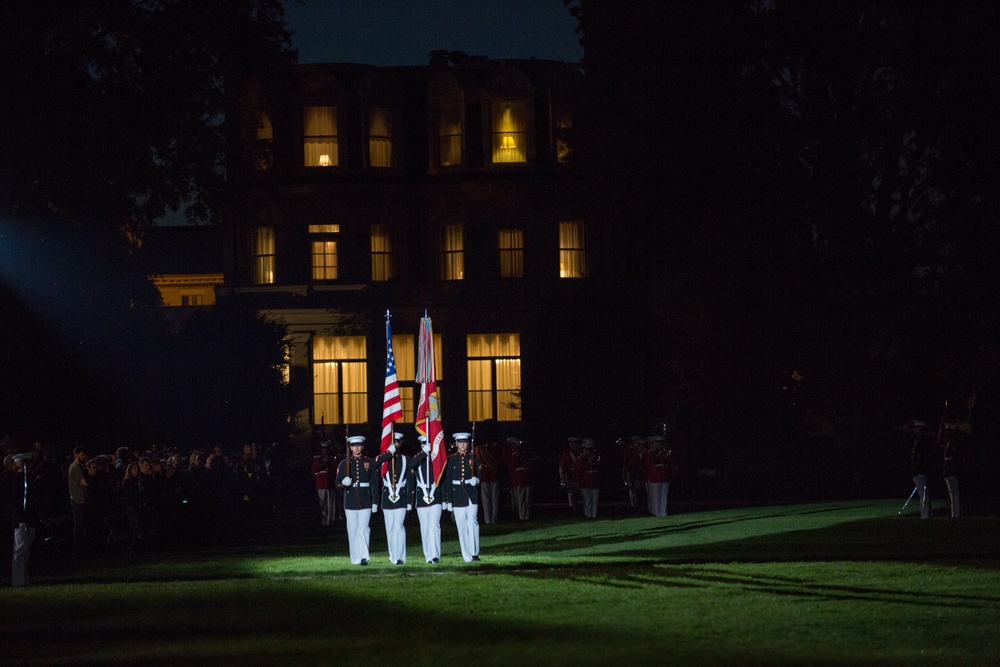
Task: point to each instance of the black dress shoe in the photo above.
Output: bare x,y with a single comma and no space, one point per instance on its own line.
475,558
436,560
364,561
399,562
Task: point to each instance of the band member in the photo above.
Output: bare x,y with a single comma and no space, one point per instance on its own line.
635,483
919,463
427,499
397,492
489,480
24,514
589,474
568,478
358,476
658,466
519,461
324,468
957,427
461,480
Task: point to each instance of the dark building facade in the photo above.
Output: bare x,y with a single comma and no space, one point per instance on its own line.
452,188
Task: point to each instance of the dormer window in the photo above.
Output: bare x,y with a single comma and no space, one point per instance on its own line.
510,132
319,136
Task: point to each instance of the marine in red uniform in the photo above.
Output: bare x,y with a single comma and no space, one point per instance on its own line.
588,465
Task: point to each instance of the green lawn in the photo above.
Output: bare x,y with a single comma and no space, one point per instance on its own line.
836,583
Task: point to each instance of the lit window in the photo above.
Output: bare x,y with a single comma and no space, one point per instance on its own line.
192,300
340,380
510,132
319,130
511,246
452,255
405,350
494,369
382,259
263,255
324,251
380,138
572,250
450,136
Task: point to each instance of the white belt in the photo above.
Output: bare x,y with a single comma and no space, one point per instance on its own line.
362,484
458,481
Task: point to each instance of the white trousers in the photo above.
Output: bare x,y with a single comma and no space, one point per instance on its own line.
956,505
920,481
395,533
658,497
489,496
430,531
327,505
19,557
467,523
358,534
590,497
522,501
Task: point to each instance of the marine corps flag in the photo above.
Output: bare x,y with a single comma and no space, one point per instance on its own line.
428,421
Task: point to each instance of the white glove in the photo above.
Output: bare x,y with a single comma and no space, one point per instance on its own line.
447,507
426,448
409,506
392,449
347,481
374,509
23,528
472,481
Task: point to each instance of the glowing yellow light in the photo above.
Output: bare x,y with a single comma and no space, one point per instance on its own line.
508,142
324,160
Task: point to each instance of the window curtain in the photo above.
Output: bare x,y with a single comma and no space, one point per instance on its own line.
511,245
572,250
510,131
324,260
382,268
380,138
450,136
263,255
453,261
319,130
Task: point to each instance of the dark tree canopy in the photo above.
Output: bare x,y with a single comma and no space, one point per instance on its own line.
815,186
113,112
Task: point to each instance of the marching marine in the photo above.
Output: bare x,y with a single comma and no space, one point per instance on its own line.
397,491
658,466
460,480
358,476
427,499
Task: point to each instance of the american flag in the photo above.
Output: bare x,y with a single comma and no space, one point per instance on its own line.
392,407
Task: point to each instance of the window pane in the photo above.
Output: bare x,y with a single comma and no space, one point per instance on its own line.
480,390
380,138
324,260
450,136
324,229
339,347
494,375
572,250
263,255
382,264
510,124
452,258
493,345
511,246
319,136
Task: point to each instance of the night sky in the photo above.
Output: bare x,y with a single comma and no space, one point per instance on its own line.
403,32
